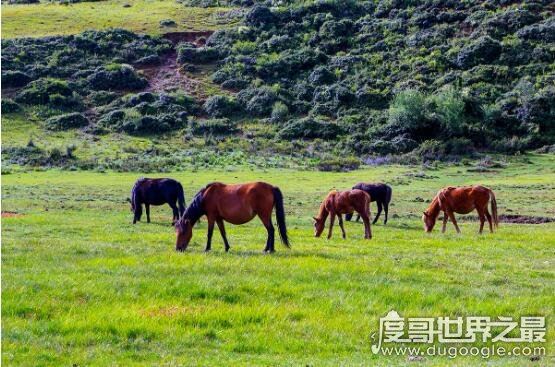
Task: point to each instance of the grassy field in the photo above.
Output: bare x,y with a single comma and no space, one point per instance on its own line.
143,16
82,286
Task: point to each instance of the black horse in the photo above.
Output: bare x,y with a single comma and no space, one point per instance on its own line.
156,191
380,193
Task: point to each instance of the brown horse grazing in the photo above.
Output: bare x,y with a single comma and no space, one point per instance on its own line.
236,204
344,202
461,200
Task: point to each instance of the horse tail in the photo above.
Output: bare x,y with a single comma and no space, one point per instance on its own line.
388,194
137,206
494,209
181,199
280,215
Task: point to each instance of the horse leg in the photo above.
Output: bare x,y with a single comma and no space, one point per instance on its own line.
452,217
267,221
444,227
379,211
367,228
482,220
340,218
175,212
210,232
358,218
385,209
488,216
332,220
137,214
222,232
147,211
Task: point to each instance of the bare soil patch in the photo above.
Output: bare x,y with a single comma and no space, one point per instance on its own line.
8,214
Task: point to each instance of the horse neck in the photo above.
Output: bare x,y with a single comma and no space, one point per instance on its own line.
434,208
323,212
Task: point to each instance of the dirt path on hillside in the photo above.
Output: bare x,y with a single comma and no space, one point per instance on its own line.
168,76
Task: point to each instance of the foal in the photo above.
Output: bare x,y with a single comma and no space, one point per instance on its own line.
461,200
344,202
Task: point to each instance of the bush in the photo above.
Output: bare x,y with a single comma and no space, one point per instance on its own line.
116,77
220,106
310,128
189,53
152,124
280,112
484,50
222,126
259,16
168,23
9,106
343,164
100,98
257,101
68,121
48,91
14,79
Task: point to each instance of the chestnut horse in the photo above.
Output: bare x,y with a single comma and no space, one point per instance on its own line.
461,200
236,204
337,203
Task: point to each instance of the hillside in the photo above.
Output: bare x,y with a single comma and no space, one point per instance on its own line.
432,79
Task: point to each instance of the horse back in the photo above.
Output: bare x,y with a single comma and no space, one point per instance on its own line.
377,191
464,199
157,191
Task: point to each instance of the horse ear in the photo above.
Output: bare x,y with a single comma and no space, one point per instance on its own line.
315,219
426,214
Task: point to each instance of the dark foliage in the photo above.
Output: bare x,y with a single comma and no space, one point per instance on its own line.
9,106
214,127
310,128
67,121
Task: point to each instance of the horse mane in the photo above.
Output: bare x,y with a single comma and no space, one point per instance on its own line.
194,211
435,206
323,212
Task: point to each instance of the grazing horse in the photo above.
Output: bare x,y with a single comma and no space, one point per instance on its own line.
236,204
156,191
380,193
461,200
344,202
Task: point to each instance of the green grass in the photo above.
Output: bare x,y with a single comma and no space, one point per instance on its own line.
144,16
82,285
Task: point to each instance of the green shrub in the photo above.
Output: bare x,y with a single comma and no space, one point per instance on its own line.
9,106
222,126
49,91
68,121
343,164
310,128
220,106
14,79
116,77
280,112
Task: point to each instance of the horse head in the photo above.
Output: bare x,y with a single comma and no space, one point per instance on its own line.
429,221
184,232
319,225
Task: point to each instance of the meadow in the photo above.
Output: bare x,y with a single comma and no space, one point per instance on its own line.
142,16
81,285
